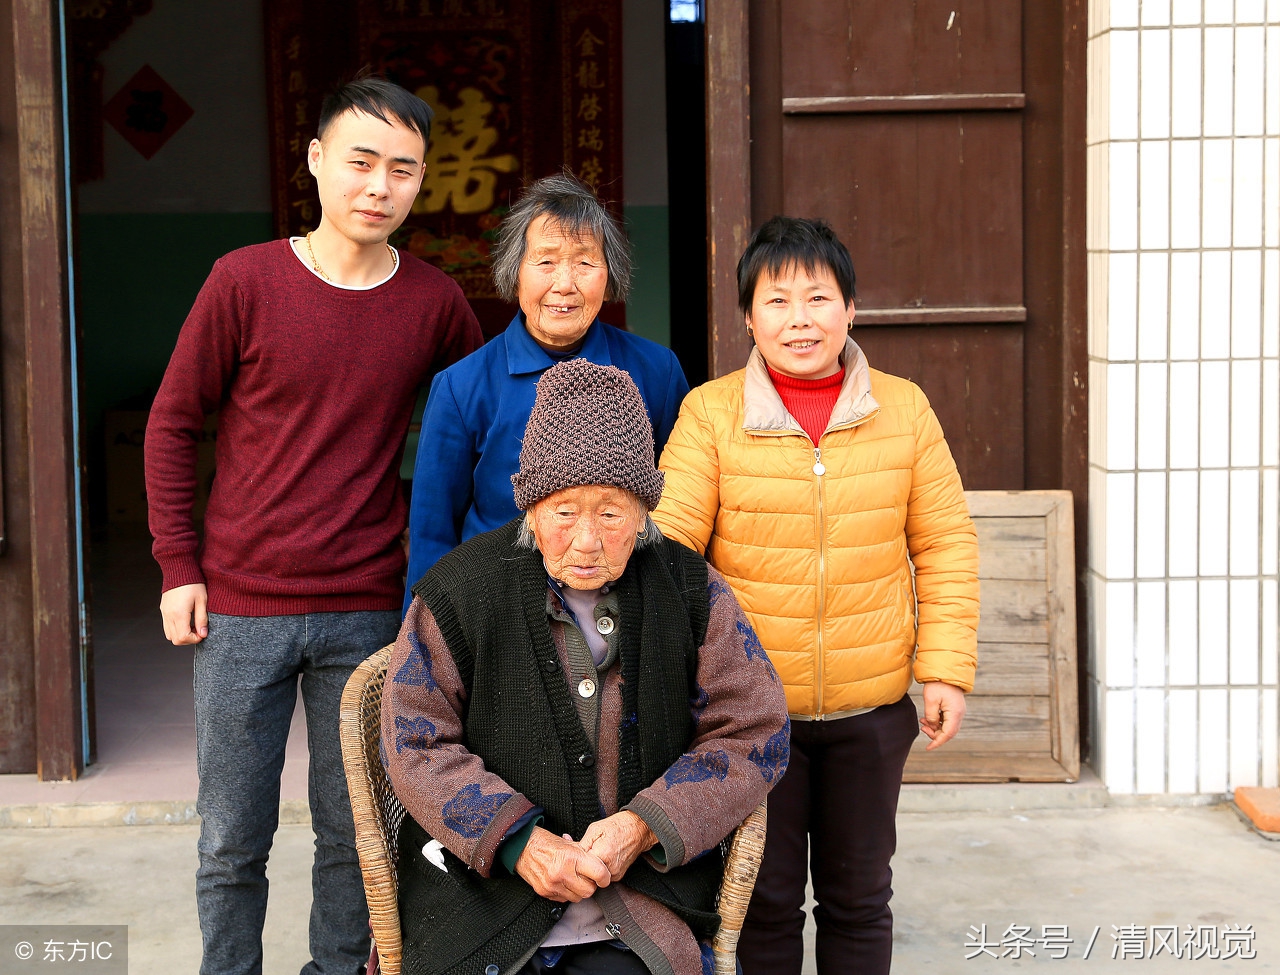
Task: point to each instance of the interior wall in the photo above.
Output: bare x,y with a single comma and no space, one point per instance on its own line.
687,187
160,223
644,152
148,232
211,52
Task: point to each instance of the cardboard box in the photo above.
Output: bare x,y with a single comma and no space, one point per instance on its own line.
124,432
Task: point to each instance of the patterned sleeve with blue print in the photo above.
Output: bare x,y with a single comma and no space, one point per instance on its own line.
416,669
443,786
470,811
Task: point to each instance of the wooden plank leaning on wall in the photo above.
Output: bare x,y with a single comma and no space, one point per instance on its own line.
1022,721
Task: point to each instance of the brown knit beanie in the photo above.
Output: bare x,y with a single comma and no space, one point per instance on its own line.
588,426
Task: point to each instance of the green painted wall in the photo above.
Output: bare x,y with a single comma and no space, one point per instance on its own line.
649,308
137,276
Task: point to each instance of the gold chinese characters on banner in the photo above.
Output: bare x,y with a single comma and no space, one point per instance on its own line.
591,126
586,86
476,162
520,89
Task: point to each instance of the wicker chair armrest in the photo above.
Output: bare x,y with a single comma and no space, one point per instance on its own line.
743,863
376,811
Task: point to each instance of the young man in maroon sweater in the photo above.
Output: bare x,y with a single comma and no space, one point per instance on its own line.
312,351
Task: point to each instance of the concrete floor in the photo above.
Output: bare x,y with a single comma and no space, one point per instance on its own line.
954,872
1084,869
144,712
1013,854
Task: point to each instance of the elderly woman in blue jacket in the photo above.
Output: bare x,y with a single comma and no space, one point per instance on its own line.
560,255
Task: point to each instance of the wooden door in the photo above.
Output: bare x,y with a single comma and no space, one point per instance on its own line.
945,142
901,124
935,137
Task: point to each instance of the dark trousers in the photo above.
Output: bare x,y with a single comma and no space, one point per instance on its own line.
246,683
833,812
600,958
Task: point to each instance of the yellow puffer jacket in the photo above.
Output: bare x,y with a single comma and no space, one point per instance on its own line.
819,543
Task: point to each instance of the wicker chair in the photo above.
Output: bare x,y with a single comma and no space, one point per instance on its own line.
378,814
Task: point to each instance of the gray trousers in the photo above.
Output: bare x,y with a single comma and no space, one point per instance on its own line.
246,681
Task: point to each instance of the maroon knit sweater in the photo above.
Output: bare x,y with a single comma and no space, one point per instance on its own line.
810,401
314,386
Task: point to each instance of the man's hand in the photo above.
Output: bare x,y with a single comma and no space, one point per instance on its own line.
559,869
943,712
618,840
186,618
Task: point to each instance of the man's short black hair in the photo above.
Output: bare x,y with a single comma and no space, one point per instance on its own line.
380,98
785,242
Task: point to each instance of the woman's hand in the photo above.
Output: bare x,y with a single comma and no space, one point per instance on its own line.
559,869
943,712
617,841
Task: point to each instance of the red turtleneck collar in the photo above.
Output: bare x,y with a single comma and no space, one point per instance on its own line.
810,401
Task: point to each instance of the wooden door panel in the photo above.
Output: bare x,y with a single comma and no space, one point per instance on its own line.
949,155
972,375
855,47
929,204
902,125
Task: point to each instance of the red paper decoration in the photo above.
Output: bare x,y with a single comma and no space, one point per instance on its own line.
147,111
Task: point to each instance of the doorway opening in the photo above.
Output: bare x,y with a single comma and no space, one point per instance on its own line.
163,185
169,160
687,184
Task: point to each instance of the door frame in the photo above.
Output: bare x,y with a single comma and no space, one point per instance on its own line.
40,674
728,66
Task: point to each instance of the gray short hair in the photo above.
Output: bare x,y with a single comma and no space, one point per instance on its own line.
650,535
571,204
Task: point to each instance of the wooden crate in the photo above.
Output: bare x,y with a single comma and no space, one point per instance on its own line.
1022,720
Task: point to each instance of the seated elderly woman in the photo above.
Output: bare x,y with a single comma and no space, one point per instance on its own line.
577,714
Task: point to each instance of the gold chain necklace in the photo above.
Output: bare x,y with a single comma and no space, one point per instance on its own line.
395,259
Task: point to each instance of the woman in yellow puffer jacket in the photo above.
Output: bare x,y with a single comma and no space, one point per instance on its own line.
822,489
